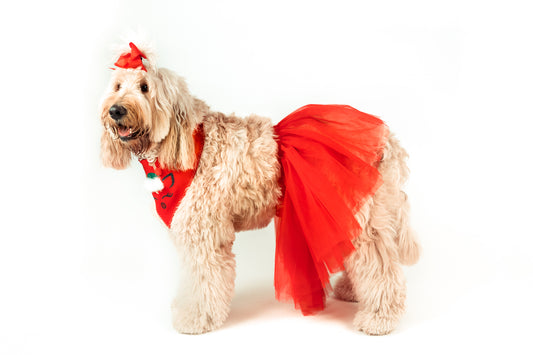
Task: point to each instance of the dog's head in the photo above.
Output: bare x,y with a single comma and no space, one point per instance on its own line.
147,111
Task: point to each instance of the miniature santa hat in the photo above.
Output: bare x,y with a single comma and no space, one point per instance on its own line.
132,60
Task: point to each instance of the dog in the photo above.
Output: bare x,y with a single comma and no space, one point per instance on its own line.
217,174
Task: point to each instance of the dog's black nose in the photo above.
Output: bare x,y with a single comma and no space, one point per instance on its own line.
117,112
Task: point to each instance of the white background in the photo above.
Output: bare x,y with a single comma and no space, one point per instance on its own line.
86,268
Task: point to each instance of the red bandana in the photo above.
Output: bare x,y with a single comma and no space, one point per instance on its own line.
131,60
175,182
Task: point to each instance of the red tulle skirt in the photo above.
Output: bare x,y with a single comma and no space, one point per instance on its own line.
329,156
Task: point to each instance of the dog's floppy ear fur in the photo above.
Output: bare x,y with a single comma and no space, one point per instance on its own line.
113,154
177,148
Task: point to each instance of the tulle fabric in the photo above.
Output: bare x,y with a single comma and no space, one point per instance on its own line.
329,156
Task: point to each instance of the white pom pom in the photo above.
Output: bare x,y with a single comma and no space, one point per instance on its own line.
153,184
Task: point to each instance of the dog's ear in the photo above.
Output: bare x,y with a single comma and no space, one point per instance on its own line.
113,154
177,148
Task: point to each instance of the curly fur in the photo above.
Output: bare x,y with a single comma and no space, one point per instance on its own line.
236,188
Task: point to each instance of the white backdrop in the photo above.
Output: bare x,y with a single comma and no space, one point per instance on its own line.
86,268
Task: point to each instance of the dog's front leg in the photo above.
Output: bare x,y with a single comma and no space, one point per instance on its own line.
203,301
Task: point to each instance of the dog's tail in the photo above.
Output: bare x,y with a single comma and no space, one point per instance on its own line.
406,239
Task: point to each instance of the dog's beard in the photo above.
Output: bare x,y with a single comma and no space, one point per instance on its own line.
138,146
133,138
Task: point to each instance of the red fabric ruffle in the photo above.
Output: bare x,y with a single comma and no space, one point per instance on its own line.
329,156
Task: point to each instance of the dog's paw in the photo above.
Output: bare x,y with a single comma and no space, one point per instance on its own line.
194,319
344,289
374,323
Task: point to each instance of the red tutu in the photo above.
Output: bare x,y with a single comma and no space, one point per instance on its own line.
329,156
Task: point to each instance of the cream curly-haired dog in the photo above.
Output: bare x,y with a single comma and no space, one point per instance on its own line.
149,113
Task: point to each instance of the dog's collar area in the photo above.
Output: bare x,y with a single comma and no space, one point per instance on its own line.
168,186
150,158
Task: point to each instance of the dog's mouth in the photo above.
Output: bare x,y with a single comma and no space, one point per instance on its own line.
126,133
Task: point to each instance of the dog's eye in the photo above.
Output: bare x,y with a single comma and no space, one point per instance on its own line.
144,88
117,88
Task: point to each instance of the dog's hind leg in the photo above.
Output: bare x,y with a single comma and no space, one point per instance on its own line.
376,274
408,247
203,302
374,269
344,289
